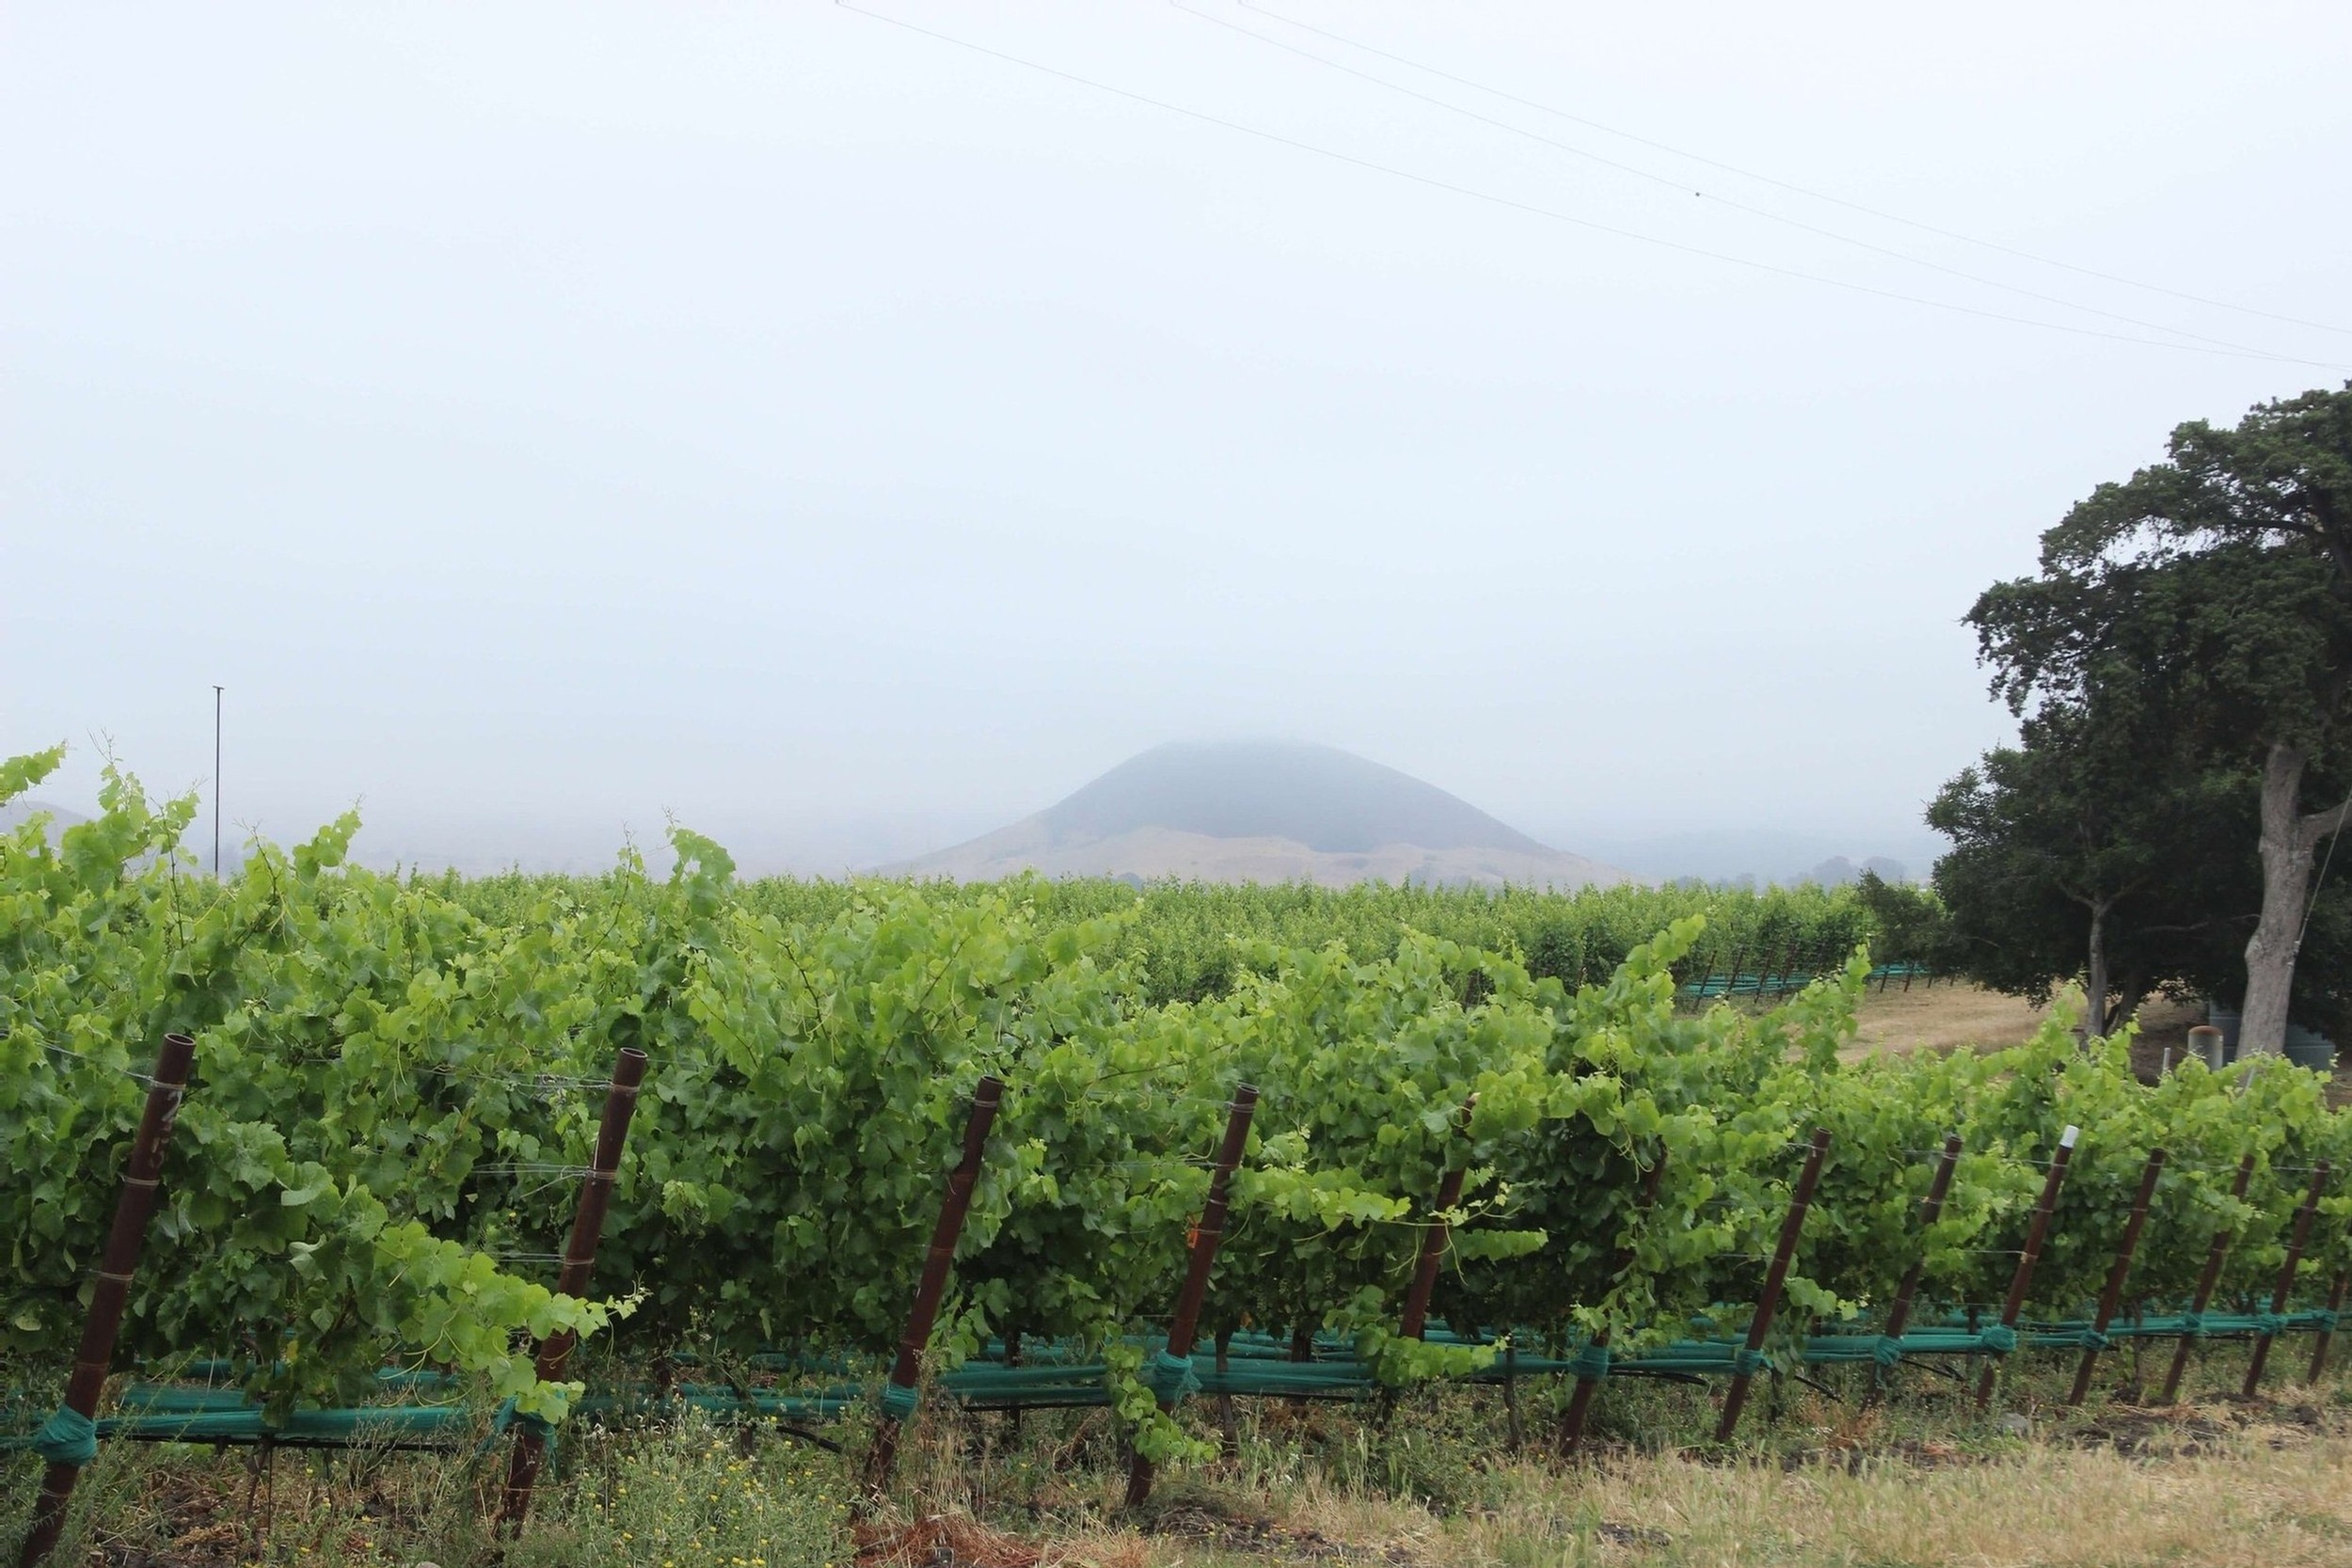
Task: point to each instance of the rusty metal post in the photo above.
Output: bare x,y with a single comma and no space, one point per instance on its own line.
1931,1209
2037,1231
134,1205
1736,1397
1205,1238
2118,1273
2285,1287
571,1279
1587,1384
1432,1243
906,1373
2206,1280
2320,1342
1414,1319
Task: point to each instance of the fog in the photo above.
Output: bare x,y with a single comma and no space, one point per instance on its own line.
543,419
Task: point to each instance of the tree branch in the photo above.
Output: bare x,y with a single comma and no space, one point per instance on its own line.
2319,824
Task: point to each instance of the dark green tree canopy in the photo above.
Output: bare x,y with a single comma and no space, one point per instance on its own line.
2282,477
2195,619
2222,576
2220,653
2068,862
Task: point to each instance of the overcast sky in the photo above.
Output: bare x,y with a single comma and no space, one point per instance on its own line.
540,418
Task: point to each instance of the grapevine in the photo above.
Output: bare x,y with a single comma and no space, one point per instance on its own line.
397,1081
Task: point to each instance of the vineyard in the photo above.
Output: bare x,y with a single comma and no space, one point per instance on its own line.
1192,941
1504,1115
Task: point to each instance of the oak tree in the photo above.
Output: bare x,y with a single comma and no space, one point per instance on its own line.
2218,583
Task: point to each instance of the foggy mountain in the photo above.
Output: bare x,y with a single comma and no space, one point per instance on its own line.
1265,812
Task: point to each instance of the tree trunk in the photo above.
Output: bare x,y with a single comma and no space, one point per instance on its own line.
2287,858
2095,974
2125,991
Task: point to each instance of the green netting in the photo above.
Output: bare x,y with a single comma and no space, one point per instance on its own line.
1832,1350
180,1400
385,1424
1053,1374
1305,1379
2081,1334
1010,1387
1692,1358
1089,1384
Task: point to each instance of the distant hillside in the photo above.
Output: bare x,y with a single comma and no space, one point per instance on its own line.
1767,855
13,812
1264,811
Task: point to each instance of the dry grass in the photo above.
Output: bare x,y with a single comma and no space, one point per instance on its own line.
2178,1490
1953,1014
2052,1506
1920,1482
2263,1499
1943,1017
957,1538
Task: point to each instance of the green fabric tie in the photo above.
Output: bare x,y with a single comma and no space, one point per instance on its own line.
1590,1361
2192,1326
503,1418
1747,1363
1886,1350
2323,1319
2093,1340
67,1437
1997,1339
898,1403
1171,1378
2269,1323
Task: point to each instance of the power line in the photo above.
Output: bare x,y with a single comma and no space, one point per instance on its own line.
1512,203
1787,185
1752,210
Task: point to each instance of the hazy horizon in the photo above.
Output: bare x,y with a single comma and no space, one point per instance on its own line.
543,419
1720,854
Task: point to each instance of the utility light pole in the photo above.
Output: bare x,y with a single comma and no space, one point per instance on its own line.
216,690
